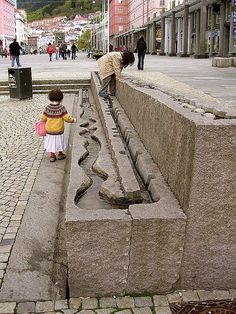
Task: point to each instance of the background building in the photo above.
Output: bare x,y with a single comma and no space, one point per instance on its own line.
7,23
21,28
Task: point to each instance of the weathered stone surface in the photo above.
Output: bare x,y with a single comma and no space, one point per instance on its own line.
125,312
46,306
61,305
107,302
7,307
205,295
174,297
163,310
87,312
201,176
160,300
105,311
190,296
232,293
75,303
25,307
106,233
221,294
142,310
146,168
89,303
143,301
157,235
222,62
125,302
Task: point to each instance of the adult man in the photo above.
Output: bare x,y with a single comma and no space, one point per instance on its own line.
73,51
141,49
110,67
15,53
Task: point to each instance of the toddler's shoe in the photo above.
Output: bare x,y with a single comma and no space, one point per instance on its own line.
61,156
52,159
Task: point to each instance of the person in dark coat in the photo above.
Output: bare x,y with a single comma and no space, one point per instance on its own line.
73,51
15,53
141,50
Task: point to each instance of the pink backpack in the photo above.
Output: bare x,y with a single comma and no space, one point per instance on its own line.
40,128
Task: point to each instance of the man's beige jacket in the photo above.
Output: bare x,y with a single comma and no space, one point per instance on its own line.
110,63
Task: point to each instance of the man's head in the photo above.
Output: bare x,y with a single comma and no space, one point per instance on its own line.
128,58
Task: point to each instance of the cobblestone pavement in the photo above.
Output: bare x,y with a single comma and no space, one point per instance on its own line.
156,304
20,156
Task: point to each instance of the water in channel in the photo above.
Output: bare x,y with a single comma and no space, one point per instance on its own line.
91,199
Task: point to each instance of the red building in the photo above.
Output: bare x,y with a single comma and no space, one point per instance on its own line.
118,17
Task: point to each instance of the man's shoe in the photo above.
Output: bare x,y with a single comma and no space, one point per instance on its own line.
52,159
103,94
61,156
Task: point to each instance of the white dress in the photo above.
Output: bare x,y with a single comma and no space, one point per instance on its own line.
55,143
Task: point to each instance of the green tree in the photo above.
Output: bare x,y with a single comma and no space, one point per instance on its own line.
85,40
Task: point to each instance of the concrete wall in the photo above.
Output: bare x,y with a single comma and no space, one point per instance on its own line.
197,157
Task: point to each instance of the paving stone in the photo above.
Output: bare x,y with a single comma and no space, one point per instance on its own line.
221,294
61,305
25,307
7,307
75,303
142,310
89,303
107,302
190,295
5,248
72,311
162,310
4,257
3,266
160,300
9,236
205,295
86,312
233,293
143,301
125,302
105,311
46,306
124,312
174,297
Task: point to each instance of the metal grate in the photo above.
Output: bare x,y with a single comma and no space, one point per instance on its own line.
206,307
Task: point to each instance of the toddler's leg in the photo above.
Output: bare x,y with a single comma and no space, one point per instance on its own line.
52,157
61,156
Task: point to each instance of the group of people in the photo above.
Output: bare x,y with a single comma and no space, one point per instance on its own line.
64,51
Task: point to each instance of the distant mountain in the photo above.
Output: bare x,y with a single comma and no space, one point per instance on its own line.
33,5
39,9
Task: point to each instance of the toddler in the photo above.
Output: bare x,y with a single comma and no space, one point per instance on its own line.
54,115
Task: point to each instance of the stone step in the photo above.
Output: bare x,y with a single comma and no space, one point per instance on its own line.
49,82
61,86
42,91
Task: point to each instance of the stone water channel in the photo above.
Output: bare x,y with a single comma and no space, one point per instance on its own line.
91,198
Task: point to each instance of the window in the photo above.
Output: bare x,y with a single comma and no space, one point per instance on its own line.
120,19
120,10
120,28
162,2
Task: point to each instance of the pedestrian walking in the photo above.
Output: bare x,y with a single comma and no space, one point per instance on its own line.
55,114
110,67
14,49
50,51
63,51
73,51
141,50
